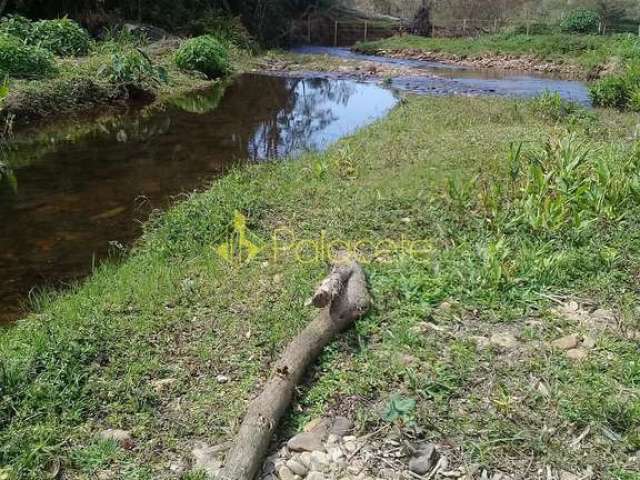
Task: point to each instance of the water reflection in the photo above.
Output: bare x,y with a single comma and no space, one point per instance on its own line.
78,189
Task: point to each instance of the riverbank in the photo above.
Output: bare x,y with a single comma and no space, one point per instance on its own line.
171,343
83,84
570,55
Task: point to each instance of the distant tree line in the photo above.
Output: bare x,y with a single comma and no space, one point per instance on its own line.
267,20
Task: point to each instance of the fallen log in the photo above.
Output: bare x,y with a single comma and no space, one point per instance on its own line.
349,300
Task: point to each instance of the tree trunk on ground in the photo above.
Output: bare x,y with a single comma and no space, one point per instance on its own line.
251,444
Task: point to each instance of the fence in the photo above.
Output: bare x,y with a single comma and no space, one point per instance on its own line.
346,32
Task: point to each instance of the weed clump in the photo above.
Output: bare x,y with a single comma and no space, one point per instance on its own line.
63,37
620,91
581,20
19,60
205,54
133,68
17,26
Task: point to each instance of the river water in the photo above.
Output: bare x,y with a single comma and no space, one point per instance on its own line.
79,191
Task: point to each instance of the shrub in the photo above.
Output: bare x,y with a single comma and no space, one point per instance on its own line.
16,26
618,91
133,68
553,107
225,28
204,54
581,21
19,60
62,37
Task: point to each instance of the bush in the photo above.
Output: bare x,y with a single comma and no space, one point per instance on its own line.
62,37
16,26
225,28
618,91
581,21
204,54
133,68
19,60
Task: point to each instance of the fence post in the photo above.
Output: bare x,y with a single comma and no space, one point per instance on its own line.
639,30
366,29
335,35
464,26
495,25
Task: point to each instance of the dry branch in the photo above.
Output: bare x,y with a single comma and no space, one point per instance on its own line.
349,300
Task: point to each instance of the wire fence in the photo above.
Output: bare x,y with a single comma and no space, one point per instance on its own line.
337,32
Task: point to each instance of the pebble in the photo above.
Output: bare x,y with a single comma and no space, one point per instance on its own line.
577,354
297,467
423,459
566,343
335,454
588,342
285,474
306,442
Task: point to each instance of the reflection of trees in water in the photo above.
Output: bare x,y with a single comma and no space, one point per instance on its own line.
308,110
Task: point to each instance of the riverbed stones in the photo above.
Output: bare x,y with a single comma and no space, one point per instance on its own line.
307,442
284,473
297,467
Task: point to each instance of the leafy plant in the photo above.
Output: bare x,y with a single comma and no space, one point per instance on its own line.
552,106
205,54
226,28
581,20
62,37
399,409
618,91
133,67
16,25
19,60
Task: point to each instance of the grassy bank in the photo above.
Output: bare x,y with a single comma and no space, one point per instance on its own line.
589,54
517,219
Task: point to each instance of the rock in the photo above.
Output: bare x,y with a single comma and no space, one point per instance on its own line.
332,440
105,475
341,426
306,442
317,424
285,474
206,458
121,437
566,343
588,342
320,461
335,454
315,476
164,384
297,467
577,354
423,459
222,379
350,444
503,340
305,459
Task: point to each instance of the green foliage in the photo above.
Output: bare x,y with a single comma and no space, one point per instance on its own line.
225,28
62,36
551,106
18,60
17,26
132,67
204,54
399,409
621,91
581,21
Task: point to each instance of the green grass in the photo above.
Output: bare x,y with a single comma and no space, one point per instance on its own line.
585,51
461,175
